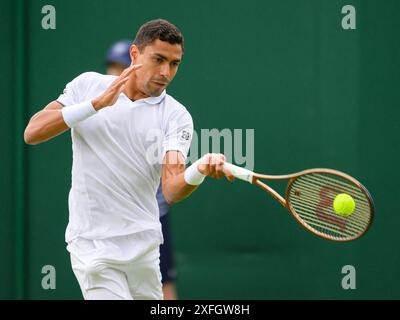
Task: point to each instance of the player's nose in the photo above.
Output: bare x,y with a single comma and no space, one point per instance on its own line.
165,71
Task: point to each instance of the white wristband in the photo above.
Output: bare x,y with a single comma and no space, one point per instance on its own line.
78,112
192,175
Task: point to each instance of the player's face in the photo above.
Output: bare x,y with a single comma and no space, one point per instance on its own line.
160,63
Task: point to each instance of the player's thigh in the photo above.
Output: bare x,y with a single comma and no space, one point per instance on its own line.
144,277
102,282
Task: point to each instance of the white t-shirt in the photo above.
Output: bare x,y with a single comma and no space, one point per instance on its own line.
117,159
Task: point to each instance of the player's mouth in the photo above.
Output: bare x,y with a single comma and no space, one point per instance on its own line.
160,84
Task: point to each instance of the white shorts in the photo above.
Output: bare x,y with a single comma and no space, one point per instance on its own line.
119,268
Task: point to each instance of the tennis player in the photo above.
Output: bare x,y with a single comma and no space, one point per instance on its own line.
114,232
118,58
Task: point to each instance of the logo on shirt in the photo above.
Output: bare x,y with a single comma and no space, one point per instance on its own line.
185,135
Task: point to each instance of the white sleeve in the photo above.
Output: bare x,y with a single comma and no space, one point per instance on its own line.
178,133
74,90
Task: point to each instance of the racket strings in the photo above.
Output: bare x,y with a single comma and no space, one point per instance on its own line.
311,199
328,191
325,214
330,184
337,221
346,187
325,228
309,192
335,230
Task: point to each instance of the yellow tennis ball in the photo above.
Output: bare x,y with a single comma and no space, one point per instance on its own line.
344,204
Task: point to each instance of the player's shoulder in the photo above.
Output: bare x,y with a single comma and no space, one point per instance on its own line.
92,81
91,76
174,105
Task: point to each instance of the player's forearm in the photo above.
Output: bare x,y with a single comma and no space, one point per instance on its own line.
56,119
179,182
176,189
44,125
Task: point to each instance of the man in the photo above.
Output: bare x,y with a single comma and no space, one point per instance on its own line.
117,59
113,233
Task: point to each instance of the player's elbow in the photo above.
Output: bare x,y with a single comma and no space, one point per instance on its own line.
169,198
31,136
28,136
173,195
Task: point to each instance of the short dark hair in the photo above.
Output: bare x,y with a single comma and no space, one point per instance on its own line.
158,29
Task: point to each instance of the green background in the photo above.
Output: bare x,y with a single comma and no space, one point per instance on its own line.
315,94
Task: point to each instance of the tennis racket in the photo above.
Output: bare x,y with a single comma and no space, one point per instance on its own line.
309,198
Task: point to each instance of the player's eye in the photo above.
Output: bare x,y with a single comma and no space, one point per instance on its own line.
175,64
159,60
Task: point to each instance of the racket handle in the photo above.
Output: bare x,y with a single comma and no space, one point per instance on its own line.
239,172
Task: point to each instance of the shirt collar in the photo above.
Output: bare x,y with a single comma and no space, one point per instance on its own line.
154,100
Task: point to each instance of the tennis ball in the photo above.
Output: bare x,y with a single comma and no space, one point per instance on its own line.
344,204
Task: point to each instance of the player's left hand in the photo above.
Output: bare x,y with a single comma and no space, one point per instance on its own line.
212,165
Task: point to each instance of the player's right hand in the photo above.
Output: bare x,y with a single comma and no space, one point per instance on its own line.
212,165
110,96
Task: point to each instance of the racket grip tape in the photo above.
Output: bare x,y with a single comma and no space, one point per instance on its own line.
239,172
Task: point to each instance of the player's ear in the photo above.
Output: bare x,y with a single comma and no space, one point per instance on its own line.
134,52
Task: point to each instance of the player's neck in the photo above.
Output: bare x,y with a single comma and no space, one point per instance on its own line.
132,92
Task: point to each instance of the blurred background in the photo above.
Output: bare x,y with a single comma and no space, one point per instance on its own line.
315,94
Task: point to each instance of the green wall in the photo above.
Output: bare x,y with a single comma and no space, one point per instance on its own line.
315,94
7,182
